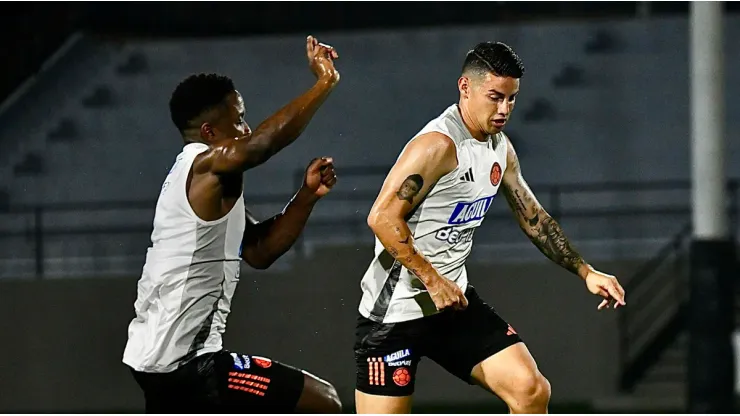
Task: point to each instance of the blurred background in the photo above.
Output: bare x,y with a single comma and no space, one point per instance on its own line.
602,128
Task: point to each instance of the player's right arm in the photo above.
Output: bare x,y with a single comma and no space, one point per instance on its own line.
283,127
424,161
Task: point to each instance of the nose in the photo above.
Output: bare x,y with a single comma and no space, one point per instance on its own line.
504,107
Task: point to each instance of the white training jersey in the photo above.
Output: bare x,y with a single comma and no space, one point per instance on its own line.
442,225
191,272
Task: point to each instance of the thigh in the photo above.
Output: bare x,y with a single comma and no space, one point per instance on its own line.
507,372
254,384
374,404
463,339
386,358
183,390
318,396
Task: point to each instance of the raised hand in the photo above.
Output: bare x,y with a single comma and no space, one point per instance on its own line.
321,60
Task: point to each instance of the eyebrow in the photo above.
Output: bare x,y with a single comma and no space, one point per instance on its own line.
501,93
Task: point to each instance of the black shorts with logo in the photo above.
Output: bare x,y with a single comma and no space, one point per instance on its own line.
387,355
223,382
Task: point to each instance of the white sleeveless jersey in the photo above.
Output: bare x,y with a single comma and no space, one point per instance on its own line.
442,225
191,272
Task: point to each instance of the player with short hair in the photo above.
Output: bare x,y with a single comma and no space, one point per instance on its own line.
416,297
202,232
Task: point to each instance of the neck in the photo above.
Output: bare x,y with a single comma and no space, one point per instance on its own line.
191,138
475,131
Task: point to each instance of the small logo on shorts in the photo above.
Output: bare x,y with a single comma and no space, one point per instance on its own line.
248,383
397,355
510,331
399,363
247,363
237,362
262,361
401,376
495,174
376,371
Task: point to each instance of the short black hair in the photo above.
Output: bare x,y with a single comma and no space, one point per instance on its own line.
197,94
495,57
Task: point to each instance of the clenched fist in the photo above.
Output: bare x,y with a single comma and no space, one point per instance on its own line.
446,294
320,177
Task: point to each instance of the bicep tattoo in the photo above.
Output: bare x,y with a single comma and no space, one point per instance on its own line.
410,187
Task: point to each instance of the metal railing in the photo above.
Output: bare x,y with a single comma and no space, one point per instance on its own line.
36,230
658,294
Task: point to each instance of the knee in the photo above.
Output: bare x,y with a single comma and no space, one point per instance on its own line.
332,404
531,393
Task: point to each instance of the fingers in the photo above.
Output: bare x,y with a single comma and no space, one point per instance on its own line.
330,182
615,293
464,301
620,289
604,303
327,172
310,44
455,300
329,176
324,168
329,51
320,164
314,47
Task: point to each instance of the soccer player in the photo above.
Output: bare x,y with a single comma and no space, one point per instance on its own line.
416,297
202,232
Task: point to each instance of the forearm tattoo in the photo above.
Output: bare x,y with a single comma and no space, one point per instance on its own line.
410,187
542,229
552,242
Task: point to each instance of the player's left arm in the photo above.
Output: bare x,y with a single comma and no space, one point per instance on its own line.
546,234
265,241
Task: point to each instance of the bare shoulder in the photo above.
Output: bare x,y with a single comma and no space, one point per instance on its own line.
204,161
432,148
434,141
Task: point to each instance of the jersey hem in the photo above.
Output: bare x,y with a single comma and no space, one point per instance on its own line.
398,318
406,317
168,368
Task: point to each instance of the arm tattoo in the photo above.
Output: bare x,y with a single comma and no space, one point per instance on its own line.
410,187
541,228
552,243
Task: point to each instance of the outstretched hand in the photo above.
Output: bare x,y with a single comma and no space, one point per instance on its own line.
606,286
321,60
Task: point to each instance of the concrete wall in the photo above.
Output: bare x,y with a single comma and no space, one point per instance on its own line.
63,339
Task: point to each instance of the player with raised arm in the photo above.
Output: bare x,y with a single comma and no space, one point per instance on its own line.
416,297
202,232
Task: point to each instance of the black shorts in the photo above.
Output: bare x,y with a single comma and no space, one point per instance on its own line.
387,355
223,382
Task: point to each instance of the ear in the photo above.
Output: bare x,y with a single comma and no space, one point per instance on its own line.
206,131
463,85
